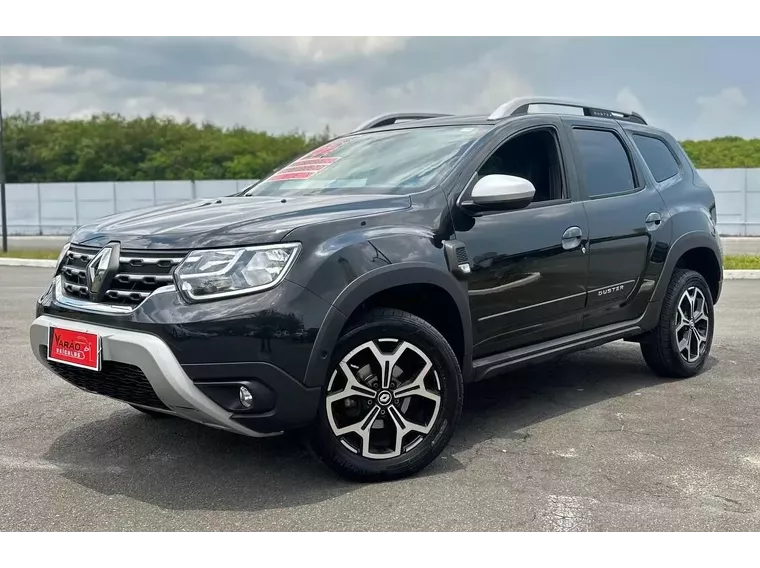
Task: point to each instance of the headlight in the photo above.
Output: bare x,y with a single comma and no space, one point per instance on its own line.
221,273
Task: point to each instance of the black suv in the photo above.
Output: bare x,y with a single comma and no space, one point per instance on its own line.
353,292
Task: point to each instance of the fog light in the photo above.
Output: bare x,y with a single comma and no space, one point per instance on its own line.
246,398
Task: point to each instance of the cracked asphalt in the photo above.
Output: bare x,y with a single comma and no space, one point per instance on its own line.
592,442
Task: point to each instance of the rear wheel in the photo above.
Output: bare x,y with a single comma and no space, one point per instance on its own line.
392,399
680,344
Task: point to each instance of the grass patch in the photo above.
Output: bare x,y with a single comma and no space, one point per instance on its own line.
741,262
32,253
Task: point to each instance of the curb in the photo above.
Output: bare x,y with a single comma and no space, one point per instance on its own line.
40,263
741,275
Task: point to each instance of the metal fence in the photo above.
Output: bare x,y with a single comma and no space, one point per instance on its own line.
58,208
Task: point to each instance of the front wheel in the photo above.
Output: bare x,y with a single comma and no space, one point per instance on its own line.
392,399
680,344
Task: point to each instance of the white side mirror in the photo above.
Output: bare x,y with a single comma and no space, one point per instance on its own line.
512,192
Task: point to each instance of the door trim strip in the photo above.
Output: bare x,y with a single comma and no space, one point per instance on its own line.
485,318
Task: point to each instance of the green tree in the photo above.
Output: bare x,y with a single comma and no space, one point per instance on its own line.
110,147
725,152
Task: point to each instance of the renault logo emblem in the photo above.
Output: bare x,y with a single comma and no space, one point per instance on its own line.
101,270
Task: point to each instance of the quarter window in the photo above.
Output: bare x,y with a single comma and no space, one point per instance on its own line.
658,157
604,162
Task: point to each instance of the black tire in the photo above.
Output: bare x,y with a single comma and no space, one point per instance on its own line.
660,346
151,413
403,326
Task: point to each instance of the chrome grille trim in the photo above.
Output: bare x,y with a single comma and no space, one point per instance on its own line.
142,261
144,278
139,275
79,256
131,294
74,271
75,288
97,307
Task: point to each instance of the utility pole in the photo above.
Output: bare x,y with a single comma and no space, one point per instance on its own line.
2,169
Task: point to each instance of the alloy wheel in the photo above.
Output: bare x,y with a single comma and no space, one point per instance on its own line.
692,324
383,398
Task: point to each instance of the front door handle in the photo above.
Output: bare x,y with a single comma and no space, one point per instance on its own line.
572,238
653,221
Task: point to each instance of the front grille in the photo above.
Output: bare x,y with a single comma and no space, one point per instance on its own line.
140,273
116,380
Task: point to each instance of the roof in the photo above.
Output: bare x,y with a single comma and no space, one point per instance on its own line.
510,109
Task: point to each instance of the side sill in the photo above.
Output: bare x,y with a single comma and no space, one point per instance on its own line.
488,367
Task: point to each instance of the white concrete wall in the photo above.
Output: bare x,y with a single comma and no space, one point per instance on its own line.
58,208
737,198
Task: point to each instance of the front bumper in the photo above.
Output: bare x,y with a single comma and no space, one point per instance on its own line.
141,369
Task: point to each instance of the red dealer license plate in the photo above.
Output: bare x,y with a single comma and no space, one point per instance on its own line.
76,348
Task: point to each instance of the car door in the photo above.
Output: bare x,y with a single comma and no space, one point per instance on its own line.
624,211
528,277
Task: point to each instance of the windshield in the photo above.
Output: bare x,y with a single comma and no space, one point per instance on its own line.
391,162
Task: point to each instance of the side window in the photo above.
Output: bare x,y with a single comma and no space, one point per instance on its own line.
604,162
534,156
657,155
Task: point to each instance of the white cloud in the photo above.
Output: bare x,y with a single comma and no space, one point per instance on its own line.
321,49
721,113
476,89
281,84
23,77
626,100
341,104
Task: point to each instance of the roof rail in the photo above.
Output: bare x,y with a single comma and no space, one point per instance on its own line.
520,106
388,119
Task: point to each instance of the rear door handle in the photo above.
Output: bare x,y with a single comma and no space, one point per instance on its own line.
572,238
653,221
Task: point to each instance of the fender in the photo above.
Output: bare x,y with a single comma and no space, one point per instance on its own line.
684,243
376,281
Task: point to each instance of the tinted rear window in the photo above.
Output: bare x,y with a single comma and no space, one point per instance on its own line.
604,162
657,156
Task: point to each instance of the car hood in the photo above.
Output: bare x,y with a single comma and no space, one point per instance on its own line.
228,221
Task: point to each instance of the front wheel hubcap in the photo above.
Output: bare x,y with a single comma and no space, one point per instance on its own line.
692,324
383,398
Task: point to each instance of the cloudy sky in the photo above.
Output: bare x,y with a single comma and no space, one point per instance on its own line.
694,87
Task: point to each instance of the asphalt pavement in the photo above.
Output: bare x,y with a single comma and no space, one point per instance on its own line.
592,442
